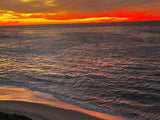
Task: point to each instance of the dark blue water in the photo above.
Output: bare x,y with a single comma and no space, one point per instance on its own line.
107,68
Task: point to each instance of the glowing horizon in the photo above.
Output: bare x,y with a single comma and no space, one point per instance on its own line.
34,12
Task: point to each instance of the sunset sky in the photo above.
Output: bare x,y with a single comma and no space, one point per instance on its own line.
27,12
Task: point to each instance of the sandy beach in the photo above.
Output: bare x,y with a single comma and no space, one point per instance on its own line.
41,106
42,112
38,111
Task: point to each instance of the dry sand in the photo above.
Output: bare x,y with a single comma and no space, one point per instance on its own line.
38,111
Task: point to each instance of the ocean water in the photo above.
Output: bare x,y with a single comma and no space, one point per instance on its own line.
109,68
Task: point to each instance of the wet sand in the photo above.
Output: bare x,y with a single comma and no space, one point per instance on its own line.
42,106
38,111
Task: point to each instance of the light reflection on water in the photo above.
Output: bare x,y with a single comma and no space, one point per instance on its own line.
111,67
21,94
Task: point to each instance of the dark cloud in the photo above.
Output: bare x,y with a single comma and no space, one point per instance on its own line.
31,6
103,6
78,6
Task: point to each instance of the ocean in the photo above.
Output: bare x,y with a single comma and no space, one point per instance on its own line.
105,67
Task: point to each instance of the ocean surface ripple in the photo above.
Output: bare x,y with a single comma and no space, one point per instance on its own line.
107,68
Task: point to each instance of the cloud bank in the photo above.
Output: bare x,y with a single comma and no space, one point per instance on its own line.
79,9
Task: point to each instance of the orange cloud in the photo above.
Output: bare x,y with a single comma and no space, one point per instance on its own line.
13,18
27,0
19,12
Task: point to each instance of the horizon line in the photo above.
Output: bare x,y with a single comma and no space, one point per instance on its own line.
109,22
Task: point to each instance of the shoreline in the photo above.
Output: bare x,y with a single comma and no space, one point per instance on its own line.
44,106
37,111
